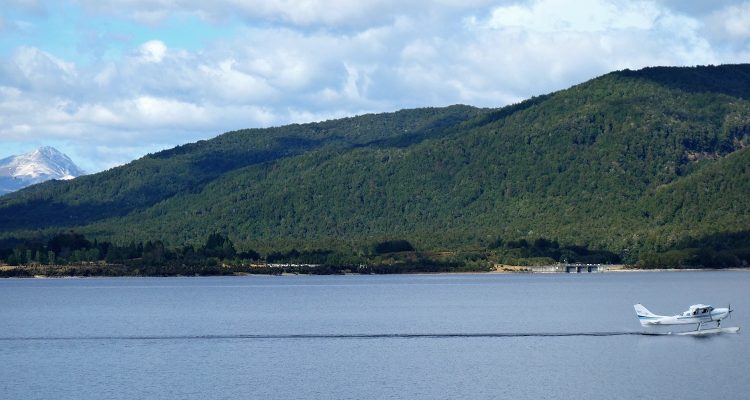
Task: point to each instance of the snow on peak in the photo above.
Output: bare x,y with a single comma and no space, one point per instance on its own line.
40,165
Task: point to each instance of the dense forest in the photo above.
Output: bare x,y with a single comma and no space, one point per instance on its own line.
72,254
648,167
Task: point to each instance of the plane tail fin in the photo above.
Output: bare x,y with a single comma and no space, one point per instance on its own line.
643,311
644,315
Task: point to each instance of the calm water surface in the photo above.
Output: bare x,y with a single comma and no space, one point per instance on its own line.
359,337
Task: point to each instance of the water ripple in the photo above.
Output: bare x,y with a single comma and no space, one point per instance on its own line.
331,336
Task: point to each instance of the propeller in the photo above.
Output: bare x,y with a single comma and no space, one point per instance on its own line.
729,313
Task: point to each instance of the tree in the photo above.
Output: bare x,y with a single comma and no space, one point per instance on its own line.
249,255
154,253
393,246
65,243
218,246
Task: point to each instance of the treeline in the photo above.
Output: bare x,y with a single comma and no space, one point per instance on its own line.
545,251
73,248
729,250
72,254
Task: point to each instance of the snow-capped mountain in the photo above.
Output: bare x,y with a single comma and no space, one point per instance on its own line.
42,164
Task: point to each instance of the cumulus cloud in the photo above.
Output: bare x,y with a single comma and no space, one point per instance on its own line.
730,25
152,51
34,69
295,12
304,67
737,21
579,16
230,84
545,43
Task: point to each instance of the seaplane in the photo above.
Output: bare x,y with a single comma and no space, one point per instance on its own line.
698,314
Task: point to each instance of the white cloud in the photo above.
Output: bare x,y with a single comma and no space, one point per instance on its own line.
163,111
232,85
33,68
152,51
578,16
97,115
308,12
732,22
553,43
295,12
105,76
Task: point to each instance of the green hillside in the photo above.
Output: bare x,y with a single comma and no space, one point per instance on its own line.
634,162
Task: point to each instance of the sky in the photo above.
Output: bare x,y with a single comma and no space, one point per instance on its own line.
107,82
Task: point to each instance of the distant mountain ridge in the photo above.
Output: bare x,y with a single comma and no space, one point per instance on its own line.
631,161
42,164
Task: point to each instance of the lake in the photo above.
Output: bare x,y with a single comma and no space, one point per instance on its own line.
484,336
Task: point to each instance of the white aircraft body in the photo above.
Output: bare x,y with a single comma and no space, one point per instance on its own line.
697,314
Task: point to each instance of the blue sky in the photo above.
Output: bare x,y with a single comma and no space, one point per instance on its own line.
109,81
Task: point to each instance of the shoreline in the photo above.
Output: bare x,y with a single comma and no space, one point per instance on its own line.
519,271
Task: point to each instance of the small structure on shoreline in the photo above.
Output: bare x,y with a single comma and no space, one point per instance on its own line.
560,268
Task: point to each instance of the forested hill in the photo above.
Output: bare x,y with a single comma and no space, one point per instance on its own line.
632,161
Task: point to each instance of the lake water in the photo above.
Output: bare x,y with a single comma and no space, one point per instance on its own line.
368,337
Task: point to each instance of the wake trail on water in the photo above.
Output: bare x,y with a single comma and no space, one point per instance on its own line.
332,336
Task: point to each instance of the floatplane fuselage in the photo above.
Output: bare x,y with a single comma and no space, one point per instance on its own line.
698,314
